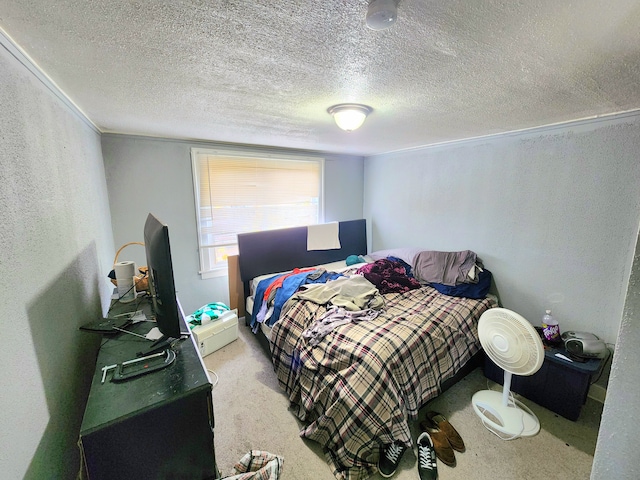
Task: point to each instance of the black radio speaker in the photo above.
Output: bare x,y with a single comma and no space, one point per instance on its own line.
584,345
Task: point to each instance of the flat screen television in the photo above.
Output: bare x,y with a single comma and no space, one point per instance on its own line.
161,284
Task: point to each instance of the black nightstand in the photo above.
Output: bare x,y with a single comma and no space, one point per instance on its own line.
560,385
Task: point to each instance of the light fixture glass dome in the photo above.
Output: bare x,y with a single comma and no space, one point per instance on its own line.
381,14
349,116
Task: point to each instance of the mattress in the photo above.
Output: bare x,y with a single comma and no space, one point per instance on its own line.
264,328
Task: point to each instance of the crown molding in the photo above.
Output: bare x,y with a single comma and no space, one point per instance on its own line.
19,54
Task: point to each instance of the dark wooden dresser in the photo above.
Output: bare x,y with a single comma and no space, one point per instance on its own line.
159,425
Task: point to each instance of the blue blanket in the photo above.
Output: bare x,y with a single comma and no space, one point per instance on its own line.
290,285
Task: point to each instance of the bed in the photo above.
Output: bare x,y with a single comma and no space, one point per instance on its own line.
360,385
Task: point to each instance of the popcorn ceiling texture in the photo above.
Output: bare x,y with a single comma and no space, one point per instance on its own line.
265,72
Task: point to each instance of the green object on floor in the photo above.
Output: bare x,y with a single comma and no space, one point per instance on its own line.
208,313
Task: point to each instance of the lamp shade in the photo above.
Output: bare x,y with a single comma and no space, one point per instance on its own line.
349,116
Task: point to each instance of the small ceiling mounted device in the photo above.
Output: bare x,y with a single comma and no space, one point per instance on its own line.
349,116
381,14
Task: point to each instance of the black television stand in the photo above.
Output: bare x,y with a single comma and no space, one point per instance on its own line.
156,426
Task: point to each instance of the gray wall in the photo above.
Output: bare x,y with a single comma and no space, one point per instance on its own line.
552,213
154,175
56,242
616,455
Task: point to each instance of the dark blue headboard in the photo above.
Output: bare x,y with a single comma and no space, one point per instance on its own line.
280,250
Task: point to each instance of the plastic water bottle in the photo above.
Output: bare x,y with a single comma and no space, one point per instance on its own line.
550,328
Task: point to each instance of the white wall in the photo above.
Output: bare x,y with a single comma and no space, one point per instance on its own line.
616,455
553,213
154,175
55,232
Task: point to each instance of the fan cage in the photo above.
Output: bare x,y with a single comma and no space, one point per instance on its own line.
510,341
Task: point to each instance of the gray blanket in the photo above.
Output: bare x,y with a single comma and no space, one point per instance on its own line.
447,268
352,293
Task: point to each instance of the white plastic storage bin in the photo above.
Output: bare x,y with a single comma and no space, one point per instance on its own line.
216,334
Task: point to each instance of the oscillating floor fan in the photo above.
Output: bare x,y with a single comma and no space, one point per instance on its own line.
512,343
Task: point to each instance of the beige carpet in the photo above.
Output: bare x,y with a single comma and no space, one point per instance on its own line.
251,412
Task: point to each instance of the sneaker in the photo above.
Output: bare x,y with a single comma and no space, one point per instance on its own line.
390,458
440,442
427,465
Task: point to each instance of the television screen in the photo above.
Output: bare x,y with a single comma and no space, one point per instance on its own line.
161,283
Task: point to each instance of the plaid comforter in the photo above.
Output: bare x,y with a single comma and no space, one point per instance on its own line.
364,382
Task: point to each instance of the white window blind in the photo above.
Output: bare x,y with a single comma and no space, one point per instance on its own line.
239,192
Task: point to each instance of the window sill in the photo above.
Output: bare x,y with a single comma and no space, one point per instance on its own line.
218,272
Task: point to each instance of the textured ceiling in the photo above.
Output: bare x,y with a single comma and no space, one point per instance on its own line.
265,71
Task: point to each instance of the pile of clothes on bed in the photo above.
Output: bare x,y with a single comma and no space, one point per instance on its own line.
458,274
272,293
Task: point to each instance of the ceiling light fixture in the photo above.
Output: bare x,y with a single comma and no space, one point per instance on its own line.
381,14
349,116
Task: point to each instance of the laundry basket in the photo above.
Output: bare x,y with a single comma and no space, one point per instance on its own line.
141,280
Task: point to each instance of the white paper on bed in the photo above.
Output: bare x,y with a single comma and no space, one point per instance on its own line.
324,236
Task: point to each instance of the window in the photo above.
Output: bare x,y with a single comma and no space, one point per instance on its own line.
239,192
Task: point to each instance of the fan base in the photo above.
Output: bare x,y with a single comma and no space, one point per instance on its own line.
506,421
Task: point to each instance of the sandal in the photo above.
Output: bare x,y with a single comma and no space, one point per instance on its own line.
452,434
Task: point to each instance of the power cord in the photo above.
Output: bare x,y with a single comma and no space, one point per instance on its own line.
129,316
217,377
605,360
512,403
135,283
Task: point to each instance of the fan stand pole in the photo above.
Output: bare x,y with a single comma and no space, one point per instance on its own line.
506,389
